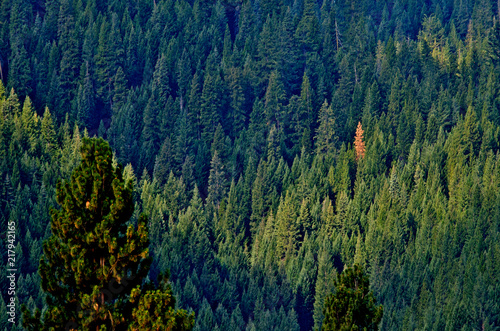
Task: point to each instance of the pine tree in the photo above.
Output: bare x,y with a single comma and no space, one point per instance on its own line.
274,100
352,306
156,311
48,133
359,144
325,133
163,162
109,53
267,52
150,135
286,228
471,136
30,124
216,181
305,117
68,48
289,64
238,114
307,32
324,281
120,90
94,263
161,83
20,72
86,115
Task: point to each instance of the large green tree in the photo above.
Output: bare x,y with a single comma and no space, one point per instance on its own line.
352,306
96,260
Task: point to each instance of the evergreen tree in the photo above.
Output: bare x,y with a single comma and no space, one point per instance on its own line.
68,48
20,76
156,311
211,102
86,114
48,133
216,181
325,133
274,101
237,103
120,90
150,135
163,163
161,83
307,32
352,306
107,59
94,263
30,123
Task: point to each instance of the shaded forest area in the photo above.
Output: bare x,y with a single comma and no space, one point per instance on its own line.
236,120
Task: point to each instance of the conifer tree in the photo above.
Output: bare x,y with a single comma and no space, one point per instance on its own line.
48,133
94,263
275,100
20,72
120,90
308,28
150,135
68,46
86,116
352,306
359,144
104,64
211,100
29,121
163,162
325,133
216,181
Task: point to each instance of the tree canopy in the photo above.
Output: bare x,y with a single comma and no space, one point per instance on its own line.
237,121
352,306
95,261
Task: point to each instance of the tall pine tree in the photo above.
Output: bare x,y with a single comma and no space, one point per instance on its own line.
95,261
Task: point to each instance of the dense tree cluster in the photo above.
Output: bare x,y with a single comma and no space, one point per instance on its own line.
94,263
237,121
352,307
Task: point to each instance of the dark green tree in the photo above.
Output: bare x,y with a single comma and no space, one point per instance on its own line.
20,72
85,115
216,181
150,135
48,133
275,100
307,32
95,261
352,306
120,90
211,104
68,47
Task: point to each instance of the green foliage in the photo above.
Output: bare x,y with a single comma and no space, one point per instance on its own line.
92,253
244,113
352,306
156,311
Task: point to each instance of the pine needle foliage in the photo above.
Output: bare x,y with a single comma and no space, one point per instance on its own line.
352,306
94,263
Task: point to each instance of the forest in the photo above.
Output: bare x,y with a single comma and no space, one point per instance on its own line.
272,144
